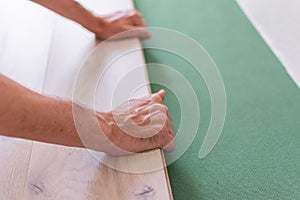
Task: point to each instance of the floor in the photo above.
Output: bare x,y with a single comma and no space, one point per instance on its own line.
47,57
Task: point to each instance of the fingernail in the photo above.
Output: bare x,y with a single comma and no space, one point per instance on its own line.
162,91
162,94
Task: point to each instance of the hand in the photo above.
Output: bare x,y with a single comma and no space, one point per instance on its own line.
139,125
134,126
104,27
111,25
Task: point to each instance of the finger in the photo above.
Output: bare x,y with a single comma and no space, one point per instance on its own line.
136,19
118,12
170,143
170,127
128,31
169,123
133,12
169,116
114,16
170,146
159,96
162,94
140,32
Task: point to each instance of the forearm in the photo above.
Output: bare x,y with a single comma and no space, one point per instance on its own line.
73,11
103,27
29,115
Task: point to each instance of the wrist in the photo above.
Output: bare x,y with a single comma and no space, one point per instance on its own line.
96,25
67,123
65,120
106,123
93,128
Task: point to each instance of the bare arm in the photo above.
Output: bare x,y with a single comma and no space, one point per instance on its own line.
103,27
29,115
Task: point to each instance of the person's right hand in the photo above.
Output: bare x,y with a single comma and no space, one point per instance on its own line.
139,125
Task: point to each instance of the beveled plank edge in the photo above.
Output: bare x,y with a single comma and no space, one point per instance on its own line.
161,151
166,174
28,166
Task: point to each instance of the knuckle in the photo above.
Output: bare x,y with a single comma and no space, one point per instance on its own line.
160,107
164,108
136,13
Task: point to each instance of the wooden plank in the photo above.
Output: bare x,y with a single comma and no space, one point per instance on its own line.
25,40
57,172
15,62
14,157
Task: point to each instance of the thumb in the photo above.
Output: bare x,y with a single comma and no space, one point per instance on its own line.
136,31
162,94
159,96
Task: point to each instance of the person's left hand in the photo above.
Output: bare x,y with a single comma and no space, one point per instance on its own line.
130,23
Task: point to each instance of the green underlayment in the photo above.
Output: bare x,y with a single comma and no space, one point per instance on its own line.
258,153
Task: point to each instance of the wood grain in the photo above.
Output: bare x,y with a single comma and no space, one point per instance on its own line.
58,172
14,157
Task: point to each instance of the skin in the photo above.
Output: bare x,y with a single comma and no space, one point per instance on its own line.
104,27
139,125
30,115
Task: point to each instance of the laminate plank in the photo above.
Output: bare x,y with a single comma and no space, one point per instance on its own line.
58,172
25,39
14,157
19,54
